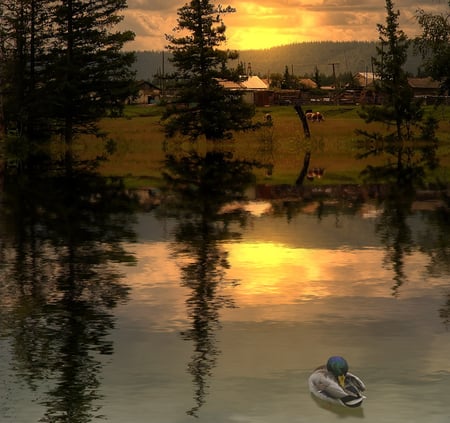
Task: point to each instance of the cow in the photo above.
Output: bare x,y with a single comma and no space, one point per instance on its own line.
316,172
314,116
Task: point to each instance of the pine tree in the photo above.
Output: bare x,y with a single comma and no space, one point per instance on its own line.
88,74
407,133
316,77
203,107
23,35
62,69
393,84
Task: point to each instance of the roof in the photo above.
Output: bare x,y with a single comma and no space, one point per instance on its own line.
254,83
308,83
366,78
251,83
427,82
145,85
229,85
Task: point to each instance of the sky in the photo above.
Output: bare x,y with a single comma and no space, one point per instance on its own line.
262,24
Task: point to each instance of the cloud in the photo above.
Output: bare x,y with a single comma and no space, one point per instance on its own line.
267,23
160,6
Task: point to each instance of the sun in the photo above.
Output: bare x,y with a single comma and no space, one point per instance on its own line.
259,27
259,38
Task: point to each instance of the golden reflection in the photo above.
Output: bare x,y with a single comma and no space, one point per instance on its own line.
268,256
273,272
269,273
281,274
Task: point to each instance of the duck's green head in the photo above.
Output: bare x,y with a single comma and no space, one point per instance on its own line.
338,367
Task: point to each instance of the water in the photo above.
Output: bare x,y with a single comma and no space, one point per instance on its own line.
120,315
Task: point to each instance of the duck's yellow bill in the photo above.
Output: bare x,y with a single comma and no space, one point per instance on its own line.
341,380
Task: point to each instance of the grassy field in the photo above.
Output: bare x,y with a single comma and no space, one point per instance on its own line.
140,139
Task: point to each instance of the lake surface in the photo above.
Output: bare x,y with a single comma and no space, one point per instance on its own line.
131,316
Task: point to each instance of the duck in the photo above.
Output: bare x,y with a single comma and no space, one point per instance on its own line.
333,382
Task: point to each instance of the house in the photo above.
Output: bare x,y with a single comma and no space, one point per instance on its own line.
146,93
287,97
254,89
254,83
307,83
229,85
365,79
424,87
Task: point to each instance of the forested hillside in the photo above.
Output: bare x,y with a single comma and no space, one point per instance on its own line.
301,58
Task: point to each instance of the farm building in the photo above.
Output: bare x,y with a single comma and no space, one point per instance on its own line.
307,84
230,85
146,93
255,90
254,83
423,87
365,79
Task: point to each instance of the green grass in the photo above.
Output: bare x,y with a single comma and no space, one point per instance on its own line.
139,139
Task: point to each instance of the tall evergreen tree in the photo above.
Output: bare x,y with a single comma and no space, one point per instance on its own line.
289,80
62,69
316,77
203,107
407,133
23,36
393,84
88,74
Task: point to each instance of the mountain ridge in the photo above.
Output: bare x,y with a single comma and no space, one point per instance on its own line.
300,58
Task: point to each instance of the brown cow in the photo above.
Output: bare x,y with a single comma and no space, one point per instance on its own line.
314,116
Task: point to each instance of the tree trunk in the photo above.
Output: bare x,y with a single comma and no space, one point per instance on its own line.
304,171
302,117
307,158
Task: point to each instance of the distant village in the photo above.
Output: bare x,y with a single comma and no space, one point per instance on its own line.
261,91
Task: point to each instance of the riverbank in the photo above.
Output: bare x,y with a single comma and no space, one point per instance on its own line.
424,198
140,146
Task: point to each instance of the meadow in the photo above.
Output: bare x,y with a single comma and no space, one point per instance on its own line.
140,145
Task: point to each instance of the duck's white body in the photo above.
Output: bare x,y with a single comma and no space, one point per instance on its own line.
324,385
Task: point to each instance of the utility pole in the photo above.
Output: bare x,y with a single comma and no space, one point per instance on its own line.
335,81
2,115
372,63
163,79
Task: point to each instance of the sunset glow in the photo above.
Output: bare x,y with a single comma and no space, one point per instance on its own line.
269,23
260,38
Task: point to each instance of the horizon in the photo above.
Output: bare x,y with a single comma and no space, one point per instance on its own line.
274,47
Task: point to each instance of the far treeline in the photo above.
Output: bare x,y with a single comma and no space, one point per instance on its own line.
302,59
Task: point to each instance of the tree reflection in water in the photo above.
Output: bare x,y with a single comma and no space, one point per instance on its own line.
395,227
396,234
437,245
61,237
200,186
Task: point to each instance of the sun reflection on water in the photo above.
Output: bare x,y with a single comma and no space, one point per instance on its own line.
275,273
273,269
